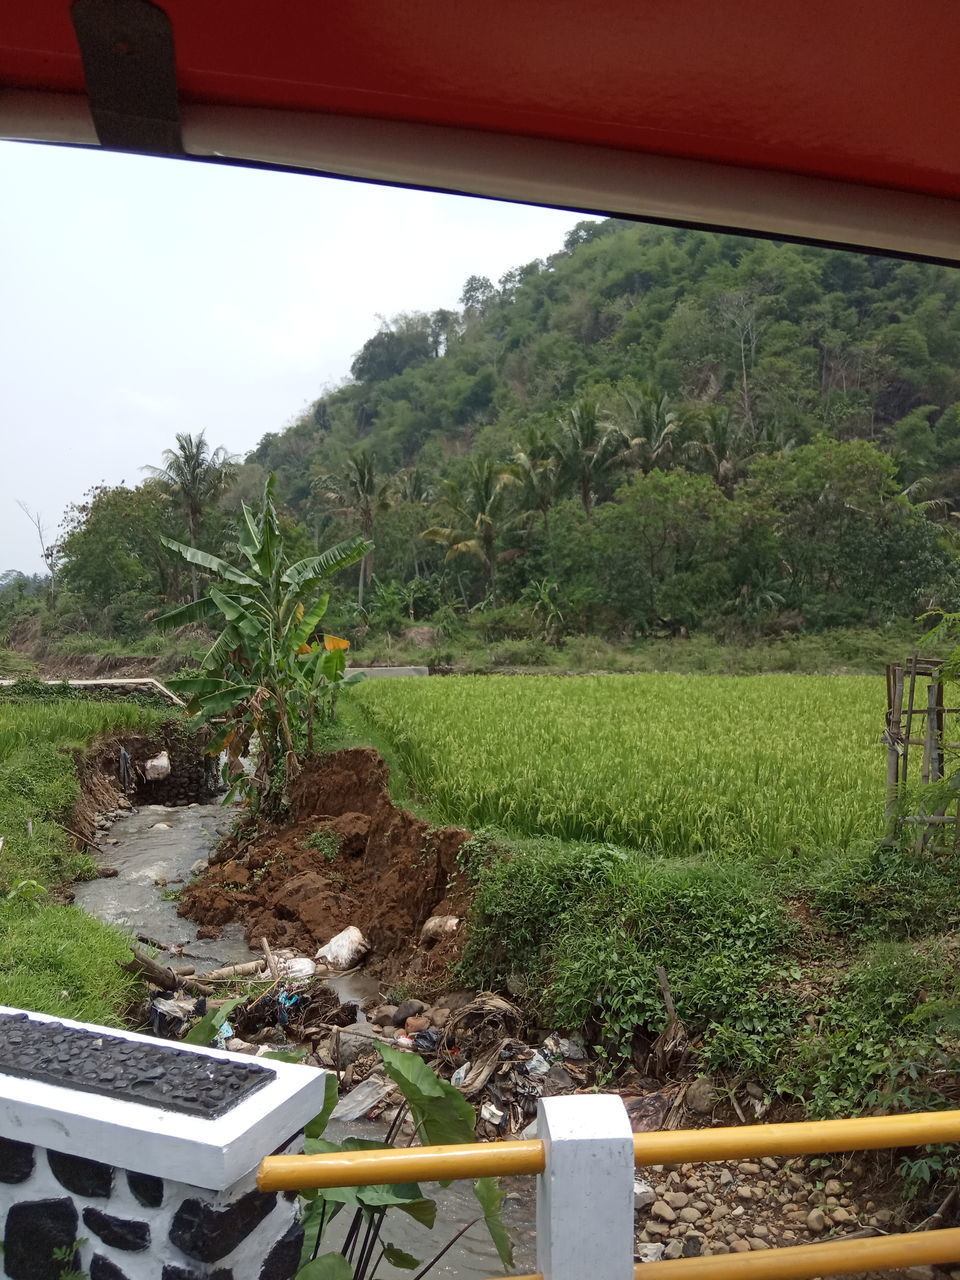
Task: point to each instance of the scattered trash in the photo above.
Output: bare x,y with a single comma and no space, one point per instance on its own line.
438,927
297,969
404,1042
649,1252
537,1065
492,1115
345,949
428,1040
363,1098
157,769
460,1075
571,1048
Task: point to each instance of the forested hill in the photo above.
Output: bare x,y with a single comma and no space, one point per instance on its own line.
652,432
794,340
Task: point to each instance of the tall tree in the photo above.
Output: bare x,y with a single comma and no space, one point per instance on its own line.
477,513
589,451
653,428
536,466
195,476
358,493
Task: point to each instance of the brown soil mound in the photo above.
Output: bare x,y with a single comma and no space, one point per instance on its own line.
383,870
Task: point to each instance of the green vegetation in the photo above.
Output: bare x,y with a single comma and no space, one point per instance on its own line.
651,435
53,958
777,769
268,681
727,829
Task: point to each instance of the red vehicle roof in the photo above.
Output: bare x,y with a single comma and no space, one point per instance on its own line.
838,120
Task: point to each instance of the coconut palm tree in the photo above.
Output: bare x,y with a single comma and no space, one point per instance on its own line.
536,466
652,427
724,446
477,512
194,477
589,449
358,492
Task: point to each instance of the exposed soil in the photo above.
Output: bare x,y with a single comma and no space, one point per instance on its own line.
382,869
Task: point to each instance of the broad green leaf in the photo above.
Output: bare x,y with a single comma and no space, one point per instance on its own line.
422,1211
329,1266
205,1031
217,704
337,557
308,624
201,610
207,561
441,1113
490,1198
397,1258
230,606
197,684
319,1122
228,640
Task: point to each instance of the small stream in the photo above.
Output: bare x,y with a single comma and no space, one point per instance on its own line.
162,844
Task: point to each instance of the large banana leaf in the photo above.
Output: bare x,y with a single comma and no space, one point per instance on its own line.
196,611
207,561
309,621
340,556
218,704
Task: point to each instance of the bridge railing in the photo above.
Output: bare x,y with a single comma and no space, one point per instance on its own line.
585,1158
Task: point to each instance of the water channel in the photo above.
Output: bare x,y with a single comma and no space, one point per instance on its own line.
155,851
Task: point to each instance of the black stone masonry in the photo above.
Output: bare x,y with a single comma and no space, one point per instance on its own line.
156,1074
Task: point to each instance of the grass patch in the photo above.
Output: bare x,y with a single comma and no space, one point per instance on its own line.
54,959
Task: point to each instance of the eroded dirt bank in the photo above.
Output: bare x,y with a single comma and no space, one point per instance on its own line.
347,856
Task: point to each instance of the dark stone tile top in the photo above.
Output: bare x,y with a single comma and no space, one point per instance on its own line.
81,1176
147,1189
208,1234
119,1233
160,1074
16,1160
284,1258
37,1239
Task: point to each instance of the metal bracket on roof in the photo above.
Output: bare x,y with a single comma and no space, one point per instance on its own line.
131,75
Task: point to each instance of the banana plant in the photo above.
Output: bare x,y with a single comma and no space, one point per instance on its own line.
264,678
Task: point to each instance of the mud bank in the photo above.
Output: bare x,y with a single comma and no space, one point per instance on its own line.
347,856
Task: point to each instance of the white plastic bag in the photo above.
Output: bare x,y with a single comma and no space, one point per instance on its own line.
157,768
345,949
297,969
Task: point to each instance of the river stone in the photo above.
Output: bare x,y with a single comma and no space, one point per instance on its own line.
663,1211
284,1258
35,1230
16,1160
147,1189
358,1038
817,1220
102,1268
701,1096
408,1009
643,1197
208,1234
81,1176
119,1233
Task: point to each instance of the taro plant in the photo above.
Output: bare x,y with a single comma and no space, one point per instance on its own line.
266,679
441,1115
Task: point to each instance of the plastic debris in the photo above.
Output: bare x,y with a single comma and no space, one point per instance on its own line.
297,969
157,768
490,1113
438,927
460,1075
345,949
404,1042
361,1100
427,1040
537,1065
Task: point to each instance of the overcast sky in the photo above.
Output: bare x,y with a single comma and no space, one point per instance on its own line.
141,297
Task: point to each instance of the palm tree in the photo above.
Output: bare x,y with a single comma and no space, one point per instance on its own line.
477,513
589,448
194,477
537,468
358,493
724,446
652,427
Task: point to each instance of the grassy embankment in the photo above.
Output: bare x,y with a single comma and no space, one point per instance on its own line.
730,830
53,958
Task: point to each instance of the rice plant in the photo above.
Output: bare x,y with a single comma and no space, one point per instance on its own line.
70,724
777,769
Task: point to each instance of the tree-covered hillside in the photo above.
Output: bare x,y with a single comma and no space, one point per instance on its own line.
653,431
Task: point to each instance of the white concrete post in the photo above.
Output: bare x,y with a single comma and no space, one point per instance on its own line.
585,1194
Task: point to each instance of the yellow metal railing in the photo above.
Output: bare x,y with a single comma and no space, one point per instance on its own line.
680,1146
